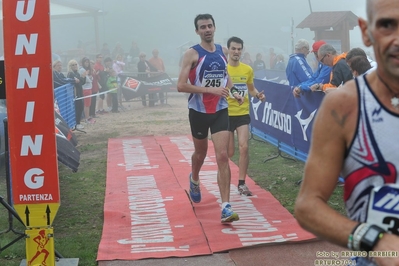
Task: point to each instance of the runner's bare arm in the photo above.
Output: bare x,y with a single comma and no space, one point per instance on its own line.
255,93
388,242
333,129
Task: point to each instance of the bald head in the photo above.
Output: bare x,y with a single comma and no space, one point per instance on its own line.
369,9
155,52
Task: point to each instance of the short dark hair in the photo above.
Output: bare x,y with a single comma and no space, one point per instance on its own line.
107,59
203,17
355,52
360,64
236,40
85,59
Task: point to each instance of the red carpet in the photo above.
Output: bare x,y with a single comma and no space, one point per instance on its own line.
262,218
148,214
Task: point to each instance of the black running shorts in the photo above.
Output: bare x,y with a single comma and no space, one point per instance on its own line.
200,123
237,121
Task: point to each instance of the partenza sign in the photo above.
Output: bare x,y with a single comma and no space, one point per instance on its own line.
28,70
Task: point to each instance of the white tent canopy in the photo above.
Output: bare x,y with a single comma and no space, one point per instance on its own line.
64,9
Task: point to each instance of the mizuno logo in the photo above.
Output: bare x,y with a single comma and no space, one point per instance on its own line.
214,76
305,122
240,86
388,202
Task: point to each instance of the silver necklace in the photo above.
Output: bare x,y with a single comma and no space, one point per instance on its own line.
395,98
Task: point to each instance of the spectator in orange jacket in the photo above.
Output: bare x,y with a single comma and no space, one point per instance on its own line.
340,73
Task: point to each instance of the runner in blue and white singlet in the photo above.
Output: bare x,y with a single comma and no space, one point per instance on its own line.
371,159
371,166
203,74
355,135
210,71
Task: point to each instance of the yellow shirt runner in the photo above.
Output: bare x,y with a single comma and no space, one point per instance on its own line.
241,75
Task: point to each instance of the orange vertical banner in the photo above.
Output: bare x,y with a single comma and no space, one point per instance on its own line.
30,107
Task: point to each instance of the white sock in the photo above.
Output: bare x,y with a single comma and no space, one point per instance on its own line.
224,204
195,182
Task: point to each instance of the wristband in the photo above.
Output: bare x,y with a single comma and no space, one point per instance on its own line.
233,90
358,235
350,242
350,237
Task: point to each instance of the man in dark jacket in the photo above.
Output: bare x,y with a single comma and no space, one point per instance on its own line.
341,72
144,69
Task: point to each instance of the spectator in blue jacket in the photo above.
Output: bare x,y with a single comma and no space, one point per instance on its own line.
298,69
322,74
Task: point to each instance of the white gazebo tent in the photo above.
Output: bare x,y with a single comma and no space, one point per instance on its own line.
60,9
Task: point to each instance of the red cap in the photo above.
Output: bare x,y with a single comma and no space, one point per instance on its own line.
317,45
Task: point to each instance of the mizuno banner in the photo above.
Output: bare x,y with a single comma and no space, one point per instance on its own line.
284,117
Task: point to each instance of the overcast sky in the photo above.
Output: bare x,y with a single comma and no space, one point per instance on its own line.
168,24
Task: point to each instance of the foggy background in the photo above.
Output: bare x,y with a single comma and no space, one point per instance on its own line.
166,25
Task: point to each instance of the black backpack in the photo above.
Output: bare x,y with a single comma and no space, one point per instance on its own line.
103,78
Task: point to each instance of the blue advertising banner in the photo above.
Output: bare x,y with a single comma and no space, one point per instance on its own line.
277,76
283,120
64,97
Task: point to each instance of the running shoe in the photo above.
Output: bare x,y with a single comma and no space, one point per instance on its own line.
90,120
243,190
80,126
195,191
228,215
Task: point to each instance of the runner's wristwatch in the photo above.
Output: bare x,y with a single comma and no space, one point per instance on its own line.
371,237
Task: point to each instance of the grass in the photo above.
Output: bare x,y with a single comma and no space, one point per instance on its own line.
280,175
79,221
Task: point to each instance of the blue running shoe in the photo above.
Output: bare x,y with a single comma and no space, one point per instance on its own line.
195,191
228,215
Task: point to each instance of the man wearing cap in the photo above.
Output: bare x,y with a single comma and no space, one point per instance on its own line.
321,75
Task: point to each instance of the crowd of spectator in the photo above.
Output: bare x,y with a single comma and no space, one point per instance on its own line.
96,80
333,69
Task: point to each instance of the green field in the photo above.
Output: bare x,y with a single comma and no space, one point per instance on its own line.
78,224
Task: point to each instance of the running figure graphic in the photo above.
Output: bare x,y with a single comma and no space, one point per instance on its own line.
41,241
